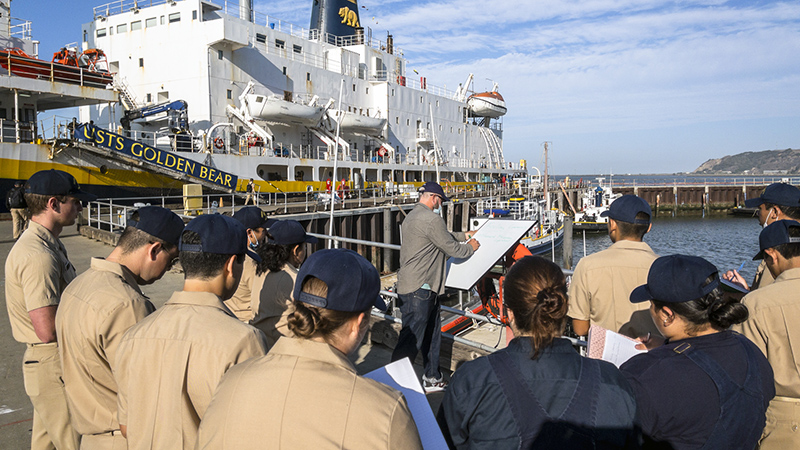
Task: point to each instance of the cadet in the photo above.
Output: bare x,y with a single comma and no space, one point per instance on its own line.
15,202
772,326
275,277
256,222
306,393
37,271
168,365
98,307
603,281
780,201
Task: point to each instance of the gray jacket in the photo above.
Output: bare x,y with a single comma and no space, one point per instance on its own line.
426,246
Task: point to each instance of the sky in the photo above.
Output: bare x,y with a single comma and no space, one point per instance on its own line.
620,86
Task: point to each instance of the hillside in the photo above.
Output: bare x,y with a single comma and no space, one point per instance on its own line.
769,162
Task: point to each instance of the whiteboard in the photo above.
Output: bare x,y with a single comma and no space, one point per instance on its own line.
496,236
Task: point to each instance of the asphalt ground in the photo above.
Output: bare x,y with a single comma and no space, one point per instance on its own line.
16,411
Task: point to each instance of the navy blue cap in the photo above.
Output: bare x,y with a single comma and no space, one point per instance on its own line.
159,222
677,279
218,234
253,217
775,234
289,232
353,282
778,194
625,208
57,182
433,188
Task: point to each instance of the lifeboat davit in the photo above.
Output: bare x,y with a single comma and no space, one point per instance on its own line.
487,104
356,123
277,110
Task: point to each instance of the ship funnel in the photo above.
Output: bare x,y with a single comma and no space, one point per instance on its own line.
389,44
335,19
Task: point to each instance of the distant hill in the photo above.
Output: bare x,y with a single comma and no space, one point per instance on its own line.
768,162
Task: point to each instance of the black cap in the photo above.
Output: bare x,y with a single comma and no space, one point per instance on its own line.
677,279
289,232
253,217
353,282
159,222
218,234
433,188
781,194
775,234
57,182
625,209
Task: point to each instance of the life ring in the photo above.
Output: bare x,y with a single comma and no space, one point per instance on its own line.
219,143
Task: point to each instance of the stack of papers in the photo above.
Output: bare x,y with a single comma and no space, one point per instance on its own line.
610,346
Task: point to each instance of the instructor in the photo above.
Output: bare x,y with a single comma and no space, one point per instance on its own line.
425,245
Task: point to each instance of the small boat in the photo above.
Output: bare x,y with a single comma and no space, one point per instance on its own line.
547,234
356,123
487,104
593,203
86,69
273,108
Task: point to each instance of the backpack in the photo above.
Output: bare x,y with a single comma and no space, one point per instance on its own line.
15,198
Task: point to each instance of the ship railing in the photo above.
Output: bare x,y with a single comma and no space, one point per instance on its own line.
19,66
697,181
20,29
17,131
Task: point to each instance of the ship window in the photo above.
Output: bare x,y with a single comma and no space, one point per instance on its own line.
280,44
141,62
440,128
428,125
284,70
175,17
260,99
149,98
392,92
110,30
220,54
194,15
101,32
451,129
420,99
297,48
162,20
367,90
459,131
354,88
261,38
308,76
437,103
122,28
84,35
151,22
230,94
136,25
397,120
408,122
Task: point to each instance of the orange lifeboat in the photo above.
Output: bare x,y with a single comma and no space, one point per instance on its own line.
487,104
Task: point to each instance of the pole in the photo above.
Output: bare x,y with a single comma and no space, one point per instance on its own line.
435,153
566,247
335,160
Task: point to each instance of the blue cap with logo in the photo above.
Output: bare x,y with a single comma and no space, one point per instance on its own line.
353,282
781,194
289,232
253,217
159,222
775,234
433,188
218,234
625,209
57,182
677,279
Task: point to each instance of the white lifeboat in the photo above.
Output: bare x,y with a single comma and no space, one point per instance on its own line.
356,123
277,110
486,104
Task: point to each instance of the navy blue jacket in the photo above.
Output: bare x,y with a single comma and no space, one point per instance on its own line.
475,413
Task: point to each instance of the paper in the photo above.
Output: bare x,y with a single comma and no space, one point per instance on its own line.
496,236
610,346
400,375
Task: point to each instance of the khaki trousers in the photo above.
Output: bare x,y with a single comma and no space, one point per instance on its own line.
41,370
20,218
104,442
783,425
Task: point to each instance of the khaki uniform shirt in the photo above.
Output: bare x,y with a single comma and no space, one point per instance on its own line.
305,395
763,277
275,292
37,271
602,284
773,327
96,310
169,364
239,303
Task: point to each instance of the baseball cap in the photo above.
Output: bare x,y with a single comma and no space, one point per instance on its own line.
353,283
625,209
677,279
253,217
218,234
778,194
57,182
434,188
775,234
159,222
289,232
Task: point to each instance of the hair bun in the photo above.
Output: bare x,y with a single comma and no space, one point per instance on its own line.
551,301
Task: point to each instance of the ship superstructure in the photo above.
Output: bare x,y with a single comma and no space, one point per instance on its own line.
263,96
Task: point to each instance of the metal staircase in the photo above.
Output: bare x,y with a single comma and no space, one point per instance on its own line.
495,148
126,96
